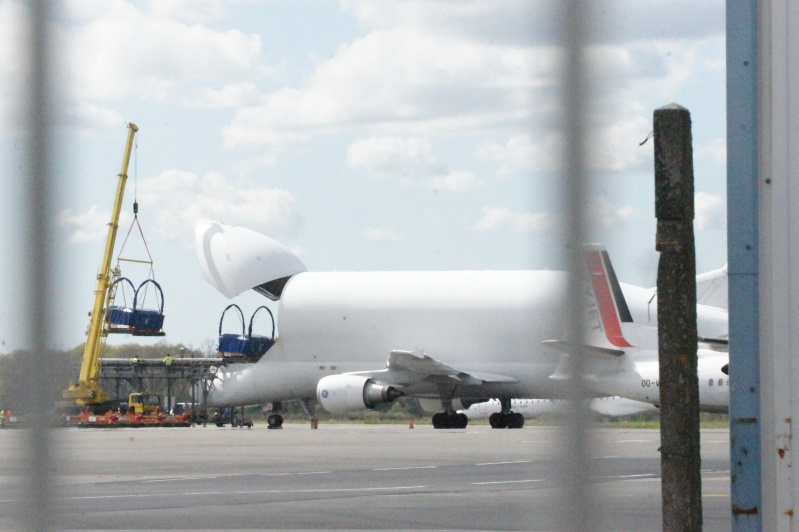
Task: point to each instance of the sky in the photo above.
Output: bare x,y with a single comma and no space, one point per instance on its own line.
361,134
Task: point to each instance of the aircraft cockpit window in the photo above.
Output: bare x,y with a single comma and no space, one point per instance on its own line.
710,383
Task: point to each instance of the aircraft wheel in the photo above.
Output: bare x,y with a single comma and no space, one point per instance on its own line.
515,420
439,421
274,420
462,421
498,420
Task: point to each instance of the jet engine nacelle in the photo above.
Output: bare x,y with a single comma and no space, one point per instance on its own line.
344,393
435,405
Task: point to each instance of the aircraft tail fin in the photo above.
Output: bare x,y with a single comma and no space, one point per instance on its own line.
609,333
711,288
609,321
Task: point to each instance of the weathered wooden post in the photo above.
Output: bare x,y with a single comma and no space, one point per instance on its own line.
677,336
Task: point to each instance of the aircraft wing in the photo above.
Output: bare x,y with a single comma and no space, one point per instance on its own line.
715,344
409,367
583,350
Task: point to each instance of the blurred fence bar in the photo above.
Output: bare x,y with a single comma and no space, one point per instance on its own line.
36,510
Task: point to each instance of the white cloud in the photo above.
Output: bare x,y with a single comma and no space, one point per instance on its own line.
502,219
521,154
148,55
404,81
615,146
612,147
454,181
716,150
188,10
382,234
179,198
84,227
524,22
420,73
602,214
230,96
13,63
410,161
111,51
90,226
394,157
171,202
710,212
87,117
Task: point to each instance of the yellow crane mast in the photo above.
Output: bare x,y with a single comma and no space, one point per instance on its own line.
86,391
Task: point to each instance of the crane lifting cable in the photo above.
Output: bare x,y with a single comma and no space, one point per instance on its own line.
138,320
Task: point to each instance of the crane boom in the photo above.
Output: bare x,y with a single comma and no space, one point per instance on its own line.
87,390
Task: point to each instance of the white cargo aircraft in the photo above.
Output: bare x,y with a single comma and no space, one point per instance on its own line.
352,340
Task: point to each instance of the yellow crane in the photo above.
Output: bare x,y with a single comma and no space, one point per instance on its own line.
86,391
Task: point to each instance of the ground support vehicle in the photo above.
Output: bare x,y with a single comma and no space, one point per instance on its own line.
117,419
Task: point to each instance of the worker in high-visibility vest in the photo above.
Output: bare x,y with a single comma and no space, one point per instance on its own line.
168,360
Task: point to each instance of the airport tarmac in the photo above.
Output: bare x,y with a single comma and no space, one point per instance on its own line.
350,477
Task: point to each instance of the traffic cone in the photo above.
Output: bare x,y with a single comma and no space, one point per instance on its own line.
411,425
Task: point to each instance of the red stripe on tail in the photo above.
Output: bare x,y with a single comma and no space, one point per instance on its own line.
604,299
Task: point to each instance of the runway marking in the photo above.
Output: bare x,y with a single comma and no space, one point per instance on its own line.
404,468
503,463
314,473
126,496
640,476
321,490
176,479
507,482
254,492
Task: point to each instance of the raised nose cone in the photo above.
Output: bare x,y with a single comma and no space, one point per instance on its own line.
234,259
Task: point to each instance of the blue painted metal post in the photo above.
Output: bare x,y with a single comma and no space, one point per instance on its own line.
742,251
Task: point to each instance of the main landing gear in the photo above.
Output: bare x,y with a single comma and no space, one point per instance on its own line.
450,420
505,419
275,420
